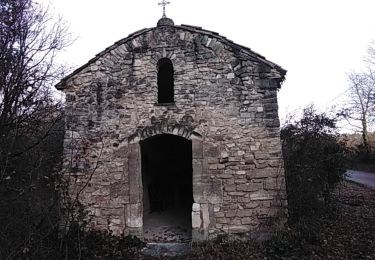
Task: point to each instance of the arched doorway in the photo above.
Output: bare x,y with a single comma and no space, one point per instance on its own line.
167,188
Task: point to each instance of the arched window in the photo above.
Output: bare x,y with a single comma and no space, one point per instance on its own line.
165,81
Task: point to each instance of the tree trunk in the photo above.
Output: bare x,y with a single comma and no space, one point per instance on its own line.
365,135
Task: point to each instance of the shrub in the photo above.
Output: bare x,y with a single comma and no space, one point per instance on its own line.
29,208
314,160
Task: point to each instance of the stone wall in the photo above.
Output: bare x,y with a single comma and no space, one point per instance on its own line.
225,102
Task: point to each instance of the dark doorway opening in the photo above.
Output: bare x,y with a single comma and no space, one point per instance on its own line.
165,81
167,188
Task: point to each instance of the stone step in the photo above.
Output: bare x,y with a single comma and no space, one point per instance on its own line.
166,249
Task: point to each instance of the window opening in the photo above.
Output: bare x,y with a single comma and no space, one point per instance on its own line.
165,81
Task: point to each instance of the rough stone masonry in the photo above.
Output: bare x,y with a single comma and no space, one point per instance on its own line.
225,102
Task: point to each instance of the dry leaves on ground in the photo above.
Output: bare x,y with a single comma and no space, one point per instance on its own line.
346,231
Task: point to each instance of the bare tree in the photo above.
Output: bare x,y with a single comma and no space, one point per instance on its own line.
29,42
30,129
360,108
370,57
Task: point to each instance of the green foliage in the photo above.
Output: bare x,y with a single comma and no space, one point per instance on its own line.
315,162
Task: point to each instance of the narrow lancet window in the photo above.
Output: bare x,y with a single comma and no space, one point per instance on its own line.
165,81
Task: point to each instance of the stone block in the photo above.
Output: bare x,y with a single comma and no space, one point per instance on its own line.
210,151
230,213
236,193
230,187
196,207
240,153
260,195
272,184
219,214
260,173
261,156
222,220
134,173
115,221
134,215
205,216
212,161
224,154
252,205
225,176
117,176
238,229
249,187
230,76
248,221
196,219
209,191
197,149
246,213
197,170
221,166
103,191
268,212
118,189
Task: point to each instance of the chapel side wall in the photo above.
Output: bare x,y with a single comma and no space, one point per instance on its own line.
231,102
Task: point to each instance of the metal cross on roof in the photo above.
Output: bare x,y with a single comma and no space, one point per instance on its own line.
164,3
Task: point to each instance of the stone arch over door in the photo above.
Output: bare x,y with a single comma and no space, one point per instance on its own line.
134,210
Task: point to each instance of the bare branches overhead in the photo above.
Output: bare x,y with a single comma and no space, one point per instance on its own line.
359,111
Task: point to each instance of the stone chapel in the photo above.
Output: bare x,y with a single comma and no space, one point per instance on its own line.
176,126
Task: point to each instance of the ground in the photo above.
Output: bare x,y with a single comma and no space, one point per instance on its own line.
346,231
167,226
351,233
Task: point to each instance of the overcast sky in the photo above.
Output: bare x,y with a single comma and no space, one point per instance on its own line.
317,41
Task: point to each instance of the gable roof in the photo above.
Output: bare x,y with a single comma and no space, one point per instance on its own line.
189,28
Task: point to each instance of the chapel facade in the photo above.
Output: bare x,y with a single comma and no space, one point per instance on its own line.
176,119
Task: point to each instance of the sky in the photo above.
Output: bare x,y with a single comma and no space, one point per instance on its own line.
317,41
